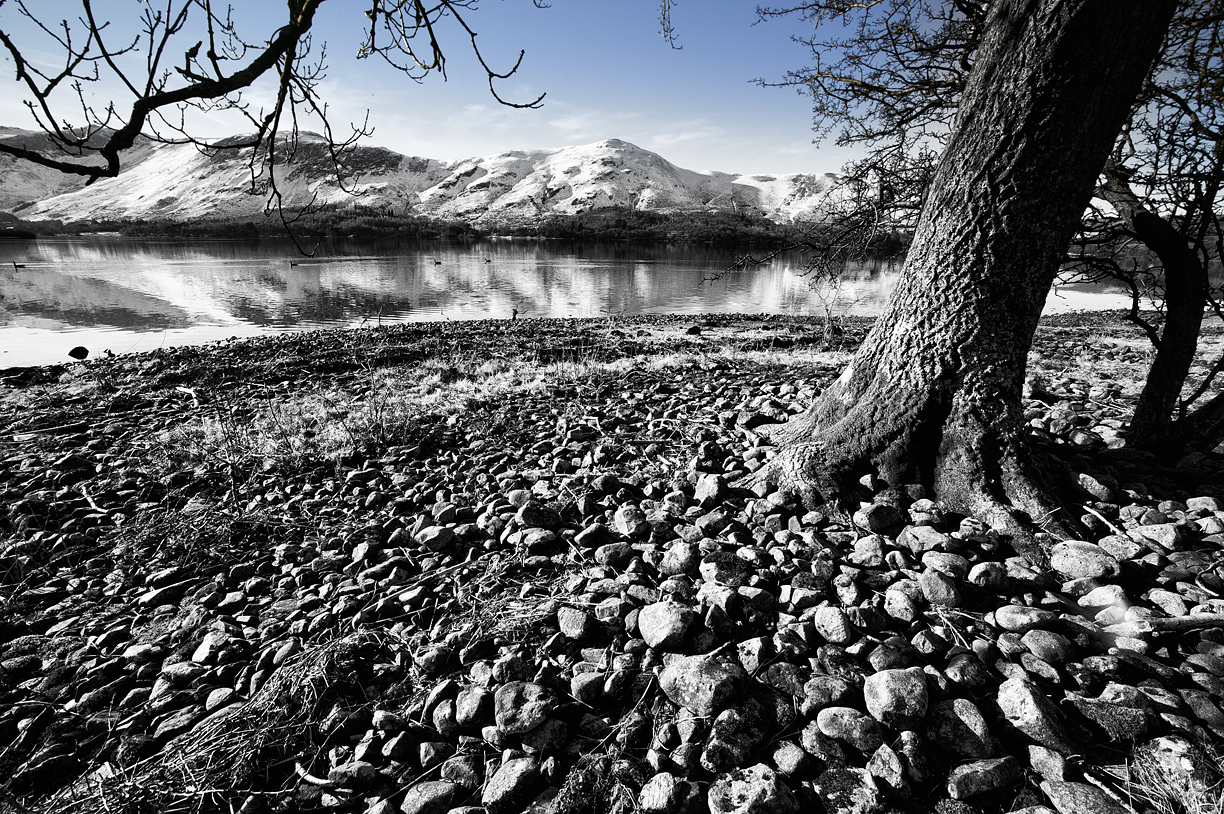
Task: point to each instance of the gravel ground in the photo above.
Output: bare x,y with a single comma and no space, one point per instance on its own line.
505,567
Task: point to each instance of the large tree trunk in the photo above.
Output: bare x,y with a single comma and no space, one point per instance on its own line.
1153,426
933,395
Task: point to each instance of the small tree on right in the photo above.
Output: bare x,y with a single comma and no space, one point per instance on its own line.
892,79
1164,186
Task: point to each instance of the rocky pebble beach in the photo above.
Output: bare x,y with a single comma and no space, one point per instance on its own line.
559,598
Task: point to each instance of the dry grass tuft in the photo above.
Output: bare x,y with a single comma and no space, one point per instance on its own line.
1171,775
601,784
229,755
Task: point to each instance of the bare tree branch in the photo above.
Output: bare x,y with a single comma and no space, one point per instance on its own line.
218,64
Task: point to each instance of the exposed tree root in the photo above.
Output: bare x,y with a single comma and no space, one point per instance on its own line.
975,470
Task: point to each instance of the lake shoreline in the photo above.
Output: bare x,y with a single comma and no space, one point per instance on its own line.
288,341
504,562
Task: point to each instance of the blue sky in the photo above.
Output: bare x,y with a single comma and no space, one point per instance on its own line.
605,69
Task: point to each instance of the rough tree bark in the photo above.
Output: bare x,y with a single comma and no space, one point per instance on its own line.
1153,426
933,395
1202,429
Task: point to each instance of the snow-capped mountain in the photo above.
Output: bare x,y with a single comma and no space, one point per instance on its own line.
23,181
178,182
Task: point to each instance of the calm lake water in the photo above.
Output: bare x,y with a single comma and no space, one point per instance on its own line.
130,295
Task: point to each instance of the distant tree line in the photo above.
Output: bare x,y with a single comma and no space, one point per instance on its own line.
612,223
624,223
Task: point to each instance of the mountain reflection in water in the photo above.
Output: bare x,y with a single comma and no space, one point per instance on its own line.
130,294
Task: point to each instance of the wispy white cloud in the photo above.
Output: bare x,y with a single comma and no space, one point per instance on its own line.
592,123
571,124
692,132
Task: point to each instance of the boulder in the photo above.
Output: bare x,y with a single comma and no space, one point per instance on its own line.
1027,708
757,789
957,726
848,725
663,624
515,784
1079,798
1075,559
897,698
983,776
703,684
521,706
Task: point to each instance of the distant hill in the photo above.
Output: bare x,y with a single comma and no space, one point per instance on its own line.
515,189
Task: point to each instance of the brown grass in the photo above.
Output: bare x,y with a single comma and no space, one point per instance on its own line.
229,755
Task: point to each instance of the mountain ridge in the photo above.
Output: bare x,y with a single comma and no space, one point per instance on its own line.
181,182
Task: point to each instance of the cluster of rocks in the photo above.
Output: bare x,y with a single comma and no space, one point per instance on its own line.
578,610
